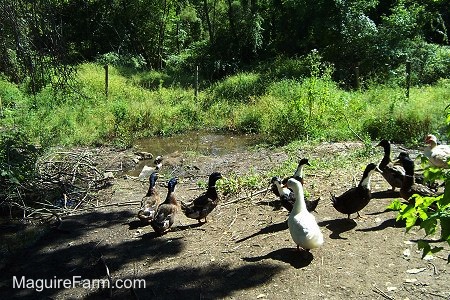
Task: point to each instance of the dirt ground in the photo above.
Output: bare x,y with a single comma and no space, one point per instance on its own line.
244,251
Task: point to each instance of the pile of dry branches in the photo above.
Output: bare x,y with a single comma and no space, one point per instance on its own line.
64,183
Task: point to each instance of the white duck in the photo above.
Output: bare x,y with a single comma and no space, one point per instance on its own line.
438,155
302,224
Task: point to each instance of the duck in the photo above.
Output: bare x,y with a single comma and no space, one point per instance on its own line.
204,204
298,174
150,202
356,198
409,186
165,215
438,155
392,173
304,230
158,162
287,197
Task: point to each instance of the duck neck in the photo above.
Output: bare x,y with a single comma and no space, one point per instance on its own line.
387,157
279,187
151,191
408,179
151,187
299,171
365,180
211,190
299,205
432,145
170,199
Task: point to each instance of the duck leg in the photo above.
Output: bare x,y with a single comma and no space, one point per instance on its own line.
360,217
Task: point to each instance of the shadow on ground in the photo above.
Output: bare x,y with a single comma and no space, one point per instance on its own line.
297,259
63,254
338,226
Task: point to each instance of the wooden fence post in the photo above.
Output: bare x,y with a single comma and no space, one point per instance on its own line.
106,80
196,83
408,77
357,81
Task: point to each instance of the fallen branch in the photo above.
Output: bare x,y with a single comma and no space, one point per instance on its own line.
381,293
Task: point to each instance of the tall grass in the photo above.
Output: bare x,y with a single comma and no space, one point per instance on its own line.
282,110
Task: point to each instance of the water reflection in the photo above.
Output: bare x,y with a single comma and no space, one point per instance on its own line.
205,143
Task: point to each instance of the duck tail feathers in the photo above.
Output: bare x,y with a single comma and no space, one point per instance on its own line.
333,197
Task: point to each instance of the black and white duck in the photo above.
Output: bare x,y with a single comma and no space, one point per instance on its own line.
299,172
165,215
392,173
409,186
304,230
356,198
438,155
287,197
298,175
204,204
150,202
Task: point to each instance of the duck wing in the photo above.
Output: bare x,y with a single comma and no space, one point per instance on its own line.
353,200
394,175
165,217
201,206
440,156
304,231
149,206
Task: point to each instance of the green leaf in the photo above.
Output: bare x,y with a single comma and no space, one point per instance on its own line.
410,222
427,201
395,205
445,228
425,246
429,226
422,214
418,200
445,200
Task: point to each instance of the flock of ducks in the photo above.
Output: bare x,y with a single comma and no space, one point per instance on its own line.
302,224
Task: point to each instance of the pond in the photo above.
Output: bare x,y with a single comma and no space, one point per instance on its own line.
205,143
202,142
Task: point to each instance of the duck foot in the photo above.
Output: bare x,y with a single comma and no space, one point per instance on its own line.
361,217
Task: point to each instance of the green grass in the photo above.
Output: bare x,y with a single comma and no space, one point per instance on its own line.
282,110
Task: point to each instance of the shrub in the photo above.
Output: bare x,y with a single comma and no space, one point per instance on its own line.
238,88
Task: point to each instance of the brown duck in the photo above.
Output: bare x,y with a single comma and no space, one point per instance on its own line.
165,215
204,204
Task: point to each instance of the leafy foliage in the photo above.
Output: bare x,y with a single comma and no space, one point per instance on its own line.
429,213
17,163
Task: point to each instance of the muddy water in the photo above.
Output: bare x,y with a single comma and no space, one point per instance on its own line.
205,143
201,142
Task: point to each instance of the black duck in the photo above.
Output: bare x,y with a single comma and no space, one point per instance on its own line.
355,199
